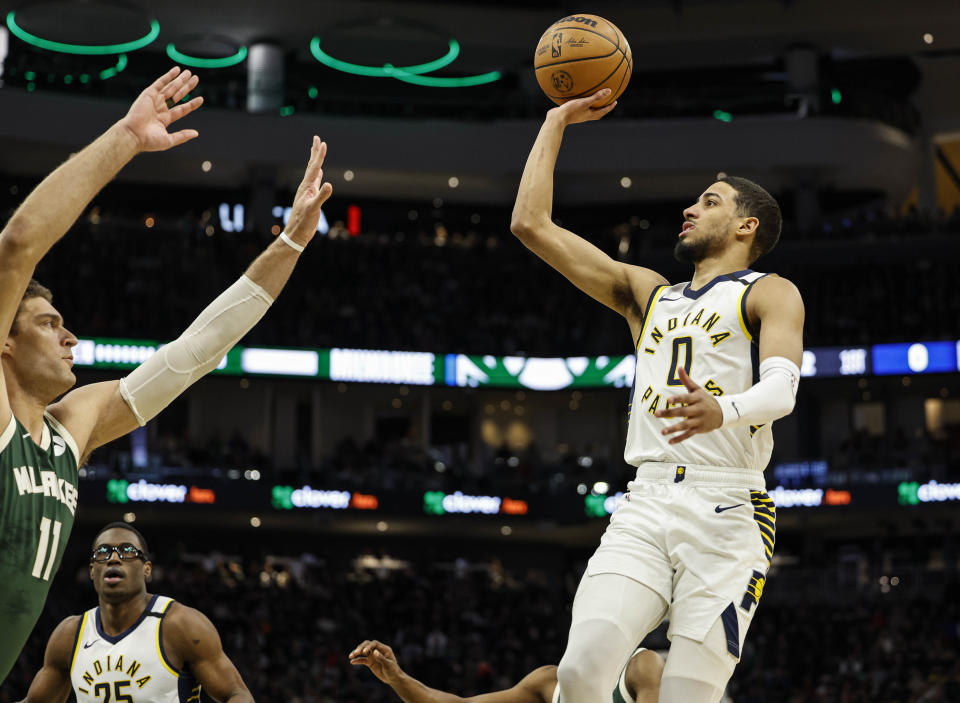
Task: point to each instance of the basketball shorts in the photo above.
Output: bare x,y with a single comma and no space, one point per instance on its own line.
702,537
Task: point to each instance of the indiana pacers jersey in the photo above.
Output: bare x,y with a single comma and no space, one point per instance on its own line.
38,501
131,666
707,332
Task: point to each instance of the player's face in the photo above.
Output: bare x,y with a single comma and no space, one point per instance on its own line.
708,224
117,580
41,353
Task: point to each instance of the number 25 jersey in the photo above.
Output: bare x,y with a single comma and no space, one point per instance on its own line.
706,332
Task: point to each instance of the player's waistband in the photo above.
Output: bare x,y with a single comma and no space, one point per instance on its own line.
659,472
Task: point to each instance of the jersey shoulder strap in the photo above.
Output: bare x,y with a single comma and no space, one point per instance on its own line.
55,426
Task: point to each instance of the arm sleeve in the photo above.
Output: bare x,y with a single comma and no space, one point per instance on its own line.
154,384
771,398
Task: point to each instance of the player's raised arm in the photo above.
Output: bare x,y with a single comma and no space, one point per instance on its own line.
53,206
52,682
536,687
619,286
190,638
101,412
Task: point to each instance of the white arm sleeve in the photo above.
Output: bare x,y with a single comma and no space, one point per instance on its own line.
154,384
771,398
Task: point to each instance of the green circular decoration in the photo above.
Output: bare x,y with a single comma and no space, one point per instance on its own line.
443,81
198,62
385,71
84,49
114,70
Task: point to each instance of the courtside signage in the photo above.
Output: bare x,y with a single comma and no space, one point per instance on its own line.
471,371
440,503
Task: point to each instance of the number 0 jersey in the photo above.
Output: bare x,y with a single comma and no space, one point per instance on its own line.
707,332
131,666
38,501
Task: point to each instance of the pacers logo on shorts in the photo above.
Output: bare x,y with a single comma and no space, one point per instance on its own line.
681,474
754,590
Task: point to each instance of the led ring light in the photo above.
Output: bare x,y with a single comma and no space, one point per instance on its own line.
407,74
385,71
201,62
85,49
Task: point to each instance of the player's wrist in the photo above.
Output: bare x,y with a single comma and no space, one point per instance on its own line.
291,242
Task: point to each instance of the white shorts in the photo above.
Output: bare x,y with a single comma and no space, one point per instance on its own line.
702,537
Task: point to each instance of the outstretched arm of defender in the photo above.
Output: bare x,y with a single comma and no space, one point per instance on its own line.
619,286
190,637
381,660
52,682
101,412
777,307
50,210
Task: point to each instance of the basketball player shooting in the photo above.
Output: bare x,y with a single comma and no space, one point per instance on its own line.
693,538
41,442
135,645
639,680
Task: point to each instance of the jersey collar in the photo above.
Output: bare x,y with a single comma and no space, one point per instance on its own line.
114,640
694,294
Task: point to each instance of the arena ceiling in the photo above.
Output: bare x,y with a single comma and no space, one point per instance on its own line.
703,35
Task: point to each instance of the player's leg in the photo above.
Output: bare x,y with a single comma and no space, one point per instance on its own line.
697,672
640,681
611,614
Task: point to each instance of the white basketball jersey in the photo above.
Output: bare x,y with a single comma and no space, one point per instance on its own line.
707,332
129,667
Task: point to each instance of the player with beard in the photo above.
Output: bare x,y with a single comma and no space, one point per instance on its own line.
693,538
43,442
639,680
135,645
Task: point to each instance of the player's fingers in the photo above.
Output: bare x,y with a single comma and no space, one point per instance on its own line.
599,95
685,435
317,151
184,135
185,109
356,650
598,112
171,88
184,89
686,380
676,427
685,399
163,80
672,412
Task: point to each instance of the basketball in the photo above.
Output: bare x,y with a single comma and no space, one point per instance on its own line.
581,54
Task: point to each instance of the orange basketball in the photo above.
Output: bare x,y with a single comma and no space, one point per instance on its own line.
581,54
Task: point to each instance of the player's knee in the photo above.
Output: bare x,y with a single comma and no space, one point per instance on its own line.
580,676
644,672
707,661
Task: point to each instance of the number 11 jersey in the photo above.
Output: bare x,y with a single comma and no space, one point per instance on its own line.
708,333
38,501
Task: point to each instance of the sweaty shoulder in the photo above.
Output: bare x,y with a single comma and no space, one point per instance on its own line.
188,634
62,642
773,293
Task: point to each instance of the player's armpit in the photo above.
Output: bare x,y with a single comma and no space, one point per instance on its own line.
776,304
191,639
94,415
52,682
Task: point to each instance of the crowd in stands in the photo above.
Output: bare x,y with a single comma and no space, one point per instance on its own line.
472,289
476,624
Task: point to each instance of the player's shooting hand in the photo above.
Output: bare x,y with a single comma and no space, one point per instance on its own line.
700,410
311,195
583,109
157,107
379,658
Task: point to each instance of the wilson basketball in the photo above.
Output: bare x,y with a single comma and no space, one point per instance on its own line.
579,55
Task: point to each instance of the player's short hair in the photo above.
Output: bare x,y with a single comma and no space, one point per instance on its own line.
754,201
124,526
34,290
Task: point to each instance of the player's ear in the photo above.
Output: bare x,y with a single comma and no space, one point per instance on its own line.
748,226
147,569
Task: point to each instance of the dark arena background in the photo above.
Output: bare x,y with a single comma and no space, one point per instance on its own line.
423,439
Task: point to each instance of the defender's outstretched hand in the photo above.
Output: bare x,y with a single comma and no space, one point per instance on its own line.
157,107
582,109
310,197
379,658
700,409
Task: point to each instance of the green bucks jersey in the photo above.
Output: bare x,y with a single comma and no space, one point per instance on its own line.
38,493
